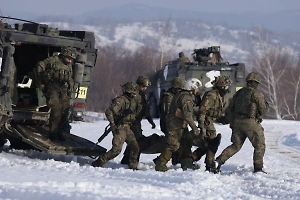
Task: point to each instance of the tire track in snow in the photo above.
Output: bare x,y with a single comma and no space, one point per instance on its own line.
274,143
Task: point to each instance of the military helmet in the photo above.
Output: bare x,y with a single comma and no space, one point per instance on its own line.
221,81
192,84
143,81
130,87
177,83
253,76
181,54
69,52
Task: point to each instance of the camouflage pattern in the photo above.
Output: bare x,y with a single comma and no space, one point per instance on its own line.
183,58
119,109
180,115
221,81
69,52
246,109
136,126
211,107
54,77
177,83
253,76
165,101
142,111
143,81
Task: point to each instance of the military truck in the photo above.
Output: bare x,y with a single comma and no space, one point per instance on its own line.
208,63
24,115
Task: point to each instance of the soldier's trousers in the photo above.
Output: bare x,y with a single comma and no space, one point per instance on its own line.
243,128
207,145
124,134
175,140
59,102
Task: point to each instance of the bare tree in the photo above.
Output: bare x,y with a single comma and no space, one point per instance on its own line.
291,94
116,66
274,66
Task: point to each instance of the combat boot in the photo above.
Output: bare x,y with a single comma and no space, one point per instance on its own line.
155,160
198,153
162,160
99,162
60,136
218,163
187,163
161,167
133,166
258,168
175,158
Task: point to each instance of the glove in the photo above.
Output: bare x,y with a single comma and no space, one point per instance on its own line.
203,132
114,128
200,125
42,87
196,132
153,125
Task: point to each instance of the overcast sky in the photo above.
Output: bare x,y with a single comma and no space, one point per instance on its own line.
69,7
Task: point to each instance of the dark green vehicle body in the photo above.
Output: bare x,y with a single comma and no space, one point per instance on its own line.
205,68
24,114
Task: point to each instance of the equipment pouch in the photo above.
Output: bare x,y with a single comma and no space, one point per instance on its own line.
179,113
56,75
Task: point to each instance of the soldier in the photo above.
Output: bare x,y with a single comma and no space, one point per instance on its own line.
245,111
211,108
143,105
143,83
183,58
180,115
120,115
165,100
54,77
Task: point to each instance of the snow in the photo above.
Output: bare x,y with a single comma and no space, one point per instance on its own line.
37,175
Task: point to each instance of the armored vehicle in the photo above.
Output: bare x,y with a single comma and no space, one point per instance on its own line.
24,114
208,63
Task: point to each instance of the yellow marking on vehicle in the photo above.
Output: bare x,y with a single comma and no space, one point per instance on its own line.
82,92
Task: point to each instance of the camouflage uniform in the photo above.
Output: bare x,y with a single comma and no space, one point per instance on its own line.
165,101
246,109
211,108
121,114
180,115
141,112
183,58
54,77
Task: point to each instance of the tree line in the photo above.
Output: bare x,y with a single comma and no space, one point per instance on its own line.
115,66
278,67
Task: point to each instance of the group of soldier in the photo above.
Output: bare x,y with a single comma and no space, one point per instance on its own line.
178,112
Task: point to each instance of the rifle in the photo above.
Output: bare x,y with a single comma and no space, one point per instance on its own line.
108,127
106,132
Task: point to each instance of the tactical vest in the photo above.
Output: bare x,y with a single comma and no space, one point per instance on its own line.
161,103
128,111
56,71
217,107
243,104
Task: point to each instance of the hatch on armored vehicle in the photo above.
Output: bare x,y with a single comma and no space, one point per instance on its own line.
24,114
205,67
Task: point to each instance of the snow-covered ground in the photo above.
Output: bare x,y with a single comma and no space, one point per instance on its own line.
35,175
